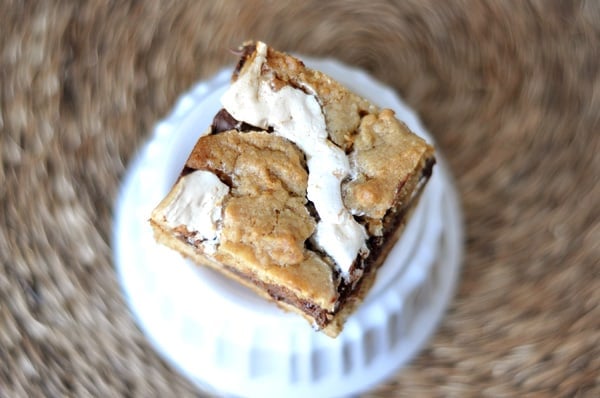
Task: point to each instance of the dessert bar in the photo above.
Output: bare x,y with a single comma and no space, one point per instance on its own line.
298,189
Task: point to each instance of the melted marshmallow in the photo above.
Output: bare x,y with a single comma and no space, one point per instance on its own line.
298,116
198,206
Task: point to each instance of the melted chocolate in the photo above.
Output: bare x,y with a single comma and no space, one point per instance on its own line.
223,121
280,293
428,168
243,53
379,245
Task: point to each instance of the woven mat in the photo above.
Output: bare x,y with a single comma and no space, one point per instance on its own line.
510,90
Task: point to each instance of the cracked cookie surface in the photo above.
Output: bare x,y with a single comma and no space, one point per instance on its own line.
265,220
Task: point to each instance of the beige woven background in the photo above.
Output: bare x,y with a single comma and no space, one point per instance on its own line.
511,91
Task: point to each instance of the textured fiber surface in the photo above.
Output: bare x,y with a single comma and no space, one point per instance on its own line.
511,91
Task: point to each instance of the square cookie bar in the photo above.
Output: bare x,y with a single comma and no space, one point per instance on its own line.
298,189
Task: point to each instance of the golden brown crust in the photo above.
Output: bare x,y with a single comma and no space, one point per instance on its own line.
253,161
265,221
385,155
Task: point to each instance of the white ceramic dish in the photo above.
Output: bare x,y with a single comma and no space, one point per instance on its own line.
231,342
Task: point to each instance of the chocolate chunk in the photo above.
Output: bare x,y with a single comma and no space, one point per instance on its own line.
223,121
243,53
428,168
186,170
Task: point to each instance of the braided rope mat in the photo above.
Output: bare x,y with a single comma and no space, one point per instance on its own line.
511,91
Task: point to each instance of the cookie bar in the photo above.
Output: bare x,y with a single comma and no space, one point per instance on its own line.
297,190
